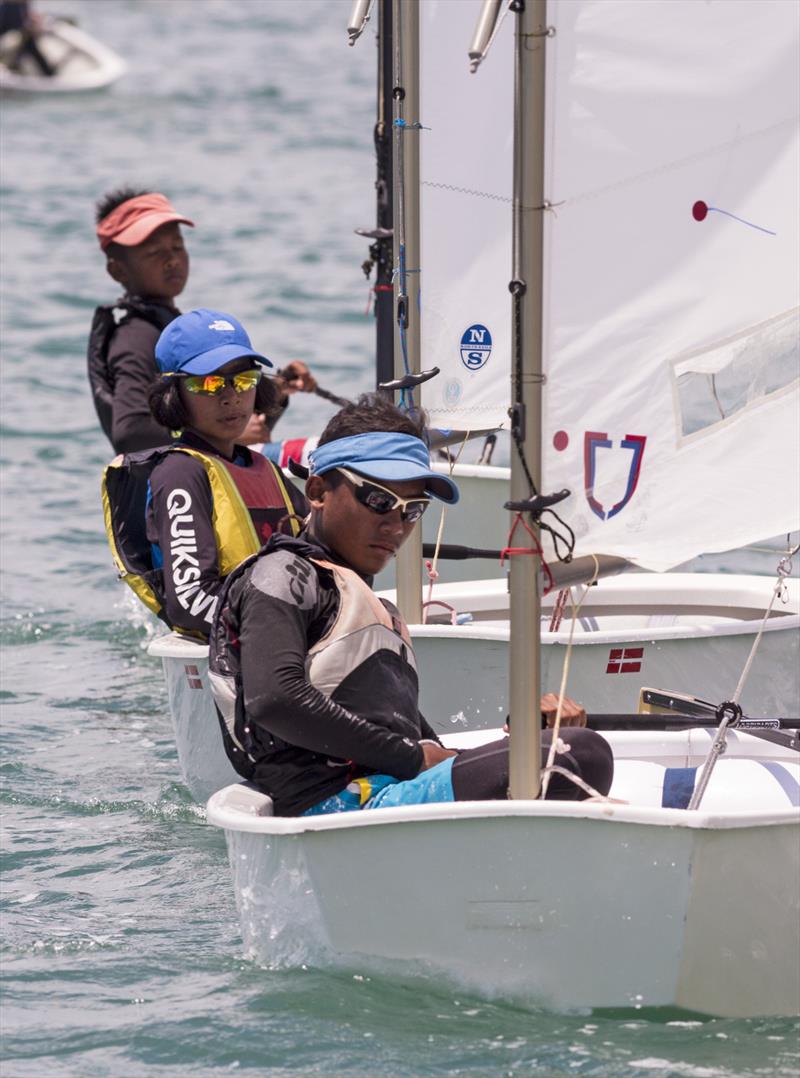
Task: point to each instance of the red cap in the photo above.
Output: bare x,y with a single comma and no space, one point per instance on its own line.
133,221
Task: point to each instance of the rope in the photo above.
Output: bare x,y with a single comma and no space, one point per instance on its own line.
513,551
433,573
558,610
555,769
778,592
564,675
730,712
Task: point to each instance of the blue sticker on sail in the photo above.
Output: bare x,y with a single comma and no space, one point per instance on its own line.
476,347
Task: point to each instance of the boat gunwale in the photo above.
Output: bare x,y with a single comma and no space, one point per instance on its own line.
245,818
500,632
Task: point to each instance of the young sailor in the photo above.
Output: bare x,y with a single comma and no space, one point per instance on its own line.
139,234
315,678
212,502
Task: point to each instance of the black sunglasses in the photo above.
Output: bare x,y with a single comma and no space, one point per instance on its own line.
382,501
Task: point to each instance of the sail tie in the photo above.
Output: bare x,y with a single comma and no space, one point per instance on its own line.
514,551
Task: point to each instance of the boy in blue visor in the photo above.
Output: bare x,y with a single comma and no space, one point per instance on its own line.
314,676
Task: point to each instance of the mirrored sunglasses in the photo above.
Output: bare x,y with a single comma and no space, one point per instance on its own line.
382,501
211,385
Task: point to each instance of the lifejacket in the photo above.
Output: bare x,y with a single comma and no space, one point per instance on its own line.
105,321
235,492
362,628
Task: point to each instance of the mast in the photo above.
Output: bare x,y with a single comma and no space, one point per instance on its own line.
405,21
526,336
381,250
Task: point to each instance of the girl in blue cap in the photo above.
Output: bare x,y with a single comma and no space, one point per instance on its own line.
212,502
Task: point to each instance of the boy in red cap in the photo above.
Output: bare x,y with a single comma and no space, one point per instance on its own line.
139,233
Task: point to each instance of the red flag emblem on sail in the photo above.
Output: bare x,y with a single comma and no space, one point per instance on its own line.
625,660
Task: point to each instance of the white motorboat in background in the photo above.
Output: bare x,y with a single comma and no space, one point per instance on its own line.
80,62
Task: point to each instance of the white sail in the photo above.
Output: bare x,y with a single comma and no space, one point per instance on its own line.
671,274
465,215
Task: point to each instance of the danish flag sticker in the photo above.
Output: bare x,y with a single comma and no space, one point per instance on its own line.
625,660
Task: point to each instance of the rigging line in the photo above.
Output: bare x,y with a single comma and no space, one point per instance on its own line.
730,712
771,550
465,191
678,164
564,675
784,569
435,560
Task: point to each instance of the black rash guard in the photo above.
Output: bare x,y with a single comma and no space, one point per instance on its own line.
304,745
178,474
132,370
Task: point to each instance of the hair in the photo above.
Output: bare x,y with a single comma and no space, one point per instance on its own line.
369,413
106,204
373,412
168,408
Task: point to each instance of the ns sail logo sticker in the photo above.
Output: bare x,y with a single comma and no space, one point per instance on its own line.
476,347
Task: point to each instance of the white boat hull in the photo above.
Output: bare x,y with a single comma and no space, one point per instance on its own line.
689,632
706,662
703,660
567,905
201,756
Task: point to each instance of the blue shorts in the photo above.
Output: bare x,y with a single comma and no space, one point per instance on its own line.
383,791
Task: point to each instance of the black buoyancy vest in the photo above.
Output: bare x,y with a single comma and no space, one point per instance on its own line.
106,320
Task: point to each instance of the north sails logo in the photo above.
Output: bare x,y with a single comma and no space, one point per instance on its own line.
221,326
184,566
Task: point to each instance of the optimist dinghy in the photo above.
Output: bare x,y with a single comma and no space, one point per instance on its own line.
80,62
686,895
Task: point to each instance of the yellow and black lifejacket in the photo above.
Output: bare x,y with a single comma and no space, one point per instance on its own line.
234,492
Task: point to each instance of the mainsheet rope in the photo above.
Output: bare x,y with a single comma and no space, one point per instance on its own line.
549,767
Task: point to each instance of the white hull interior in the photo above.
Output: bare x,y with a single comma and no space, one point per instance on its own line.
651,907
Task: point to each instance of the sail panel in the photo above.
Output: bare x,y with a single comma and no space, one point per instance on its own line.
465,218
671,274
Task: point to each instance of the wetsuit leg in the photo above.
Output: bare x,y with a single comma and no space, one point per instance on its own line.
481,774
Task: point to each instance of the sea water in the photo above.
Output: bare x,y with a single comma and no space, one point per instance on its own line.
121,952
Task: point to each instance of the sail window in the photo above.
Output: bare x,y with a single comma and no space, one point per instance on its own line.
714,385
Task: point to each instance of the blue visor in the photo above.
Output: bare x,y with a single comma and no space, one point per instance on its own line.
384,456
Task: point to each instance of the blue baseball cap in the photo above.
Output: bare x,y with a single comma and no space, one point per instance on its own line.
384,455
202,341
